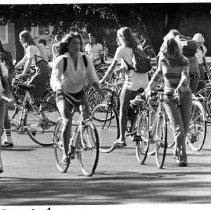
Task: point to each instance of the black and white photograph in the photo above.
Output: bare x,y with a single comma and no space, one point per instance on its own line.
105,104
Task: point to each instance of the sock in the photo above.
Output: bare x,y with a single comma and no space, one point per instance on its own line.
7,134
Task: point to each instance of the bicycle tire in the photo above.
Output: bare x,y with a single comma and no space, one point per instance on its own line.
41,123
142,145
58,148
87,149
198,127
107,126
161,139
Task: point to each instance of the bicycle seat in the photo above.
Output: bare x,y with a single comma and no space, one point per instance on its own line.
26,86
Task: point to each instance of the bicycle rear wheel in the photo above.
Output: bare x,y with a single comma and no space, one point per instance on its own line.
58,148
161,139
87,149
197,130
41,123
142,129
106,120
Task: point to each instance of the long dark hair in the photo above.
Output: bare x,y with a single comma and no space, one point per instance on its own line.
67,39
172,54
27,37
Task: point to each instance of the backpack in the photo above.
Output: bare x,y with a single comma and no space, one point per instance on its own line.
141,62
65,62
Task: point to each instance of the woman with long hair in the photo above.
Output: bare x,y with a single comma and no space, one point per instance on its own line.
71,80
173,67
133,80
33,57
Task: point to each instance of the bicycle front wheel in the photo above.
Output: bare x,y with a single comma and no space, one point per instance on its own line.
106,120
161,139
41,122
197,130
58,148
87,149
142,145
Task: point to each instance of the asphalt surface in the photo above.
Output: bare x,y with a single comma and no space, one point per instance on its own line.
30,178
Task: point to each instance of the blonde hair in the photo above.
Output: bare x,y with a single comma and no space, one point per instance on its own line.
126,36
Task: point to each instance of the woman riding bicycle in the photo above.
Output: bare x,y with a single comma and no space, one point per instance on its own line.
71,79
33,57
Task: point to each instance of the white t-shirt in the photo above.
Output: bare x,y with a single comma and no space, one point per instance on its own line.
73,79
31,51
200,54
4,73
94,51
133,80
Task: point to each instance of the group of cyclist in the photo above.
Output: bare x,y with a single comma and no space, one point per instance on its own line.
72,66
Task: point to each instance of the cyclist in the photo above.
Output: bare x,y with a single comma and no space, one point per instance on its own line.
71,79
174,68
4,90
94,50
33,57
133,80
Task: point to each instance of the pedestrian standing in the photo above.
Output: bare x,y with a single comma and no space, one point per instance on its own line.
173,67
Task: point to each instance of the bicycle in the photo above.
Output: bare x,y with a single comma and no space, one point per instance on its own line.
35,117
153,130
85,141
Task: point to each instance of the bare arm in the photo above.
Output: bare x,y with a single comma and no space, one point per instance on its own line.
109,71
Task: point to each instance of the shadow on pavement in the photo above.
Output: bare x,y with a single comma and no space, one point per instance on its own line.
107,188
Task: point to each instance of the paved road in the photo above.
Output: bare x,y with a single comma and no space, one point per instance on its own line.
31,178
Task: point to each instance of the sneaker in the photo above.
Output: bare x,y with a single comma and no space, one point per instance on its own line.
7,145
119,143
